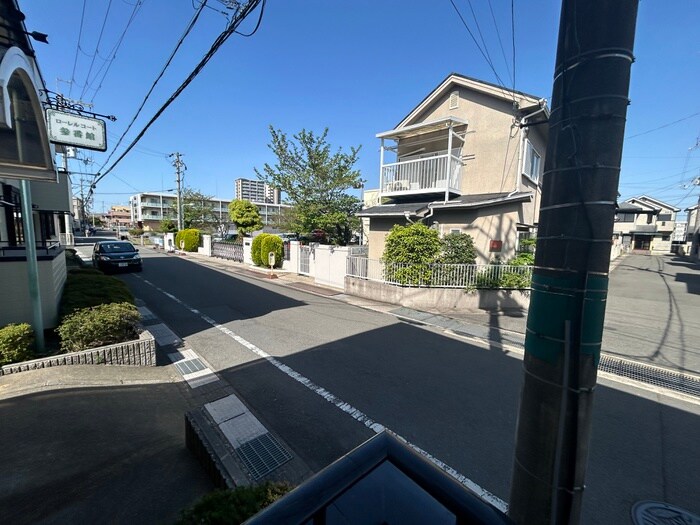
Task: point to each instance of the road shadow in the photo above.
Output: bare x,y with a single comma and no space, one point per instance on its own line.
97,455
222,295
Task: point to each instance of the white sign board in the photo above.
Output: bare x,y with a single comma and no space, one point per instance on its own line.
74,130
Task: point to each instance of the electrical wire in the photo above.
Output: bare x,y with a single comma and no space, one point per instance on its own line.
512,31
77,47
662,126
478,29
113,53
500,42
187,31
220,40
483,54
97,49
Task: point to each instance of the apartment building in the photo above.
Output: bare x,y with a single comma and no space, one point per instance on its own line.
147,210
257,192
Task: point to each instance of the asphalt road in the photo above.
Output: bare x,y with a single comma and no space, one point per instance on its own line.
653,312
455,400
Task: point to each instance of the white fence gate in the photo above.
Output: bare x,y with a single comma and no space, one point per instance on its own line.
304,258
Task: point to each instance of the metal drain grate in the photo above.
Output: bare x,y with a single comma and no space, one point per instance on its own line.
651,375
190,366
262,455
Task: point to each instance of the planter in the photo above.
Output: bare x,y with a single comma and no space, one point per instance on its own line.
138,352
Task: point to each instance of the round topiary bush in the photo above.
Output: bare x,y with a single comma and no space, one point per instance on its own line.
255,249
16,343
275,244
101,325
191,238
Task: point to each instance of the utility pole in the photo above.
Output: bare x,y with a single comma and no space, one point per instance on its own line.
570,281
179,169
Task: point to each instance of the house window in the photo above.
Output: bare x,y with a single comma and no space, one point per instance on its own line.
664,217
454,100
456,231
624,217
533,162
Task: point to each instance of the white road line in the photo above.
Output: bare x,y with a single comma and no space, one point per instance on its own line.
339,403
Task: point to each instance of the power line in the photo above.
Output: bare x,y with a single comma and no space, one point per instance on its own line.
189,27
662,126
478,29
97,49
240,15
77,47
512,31
113,53
483,54
500,42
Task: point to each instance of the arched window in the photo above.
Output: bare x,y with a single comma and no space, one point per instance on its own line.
24,147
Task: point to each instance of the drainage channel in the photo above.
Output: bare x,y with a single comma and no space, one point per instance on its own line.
651,375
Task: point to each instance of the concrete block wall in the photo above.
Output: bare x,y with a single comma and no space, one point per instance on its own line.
139,352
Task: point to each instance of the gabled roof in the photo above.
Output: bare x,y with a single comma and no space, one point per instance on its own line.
692,208
418,209
454,79
652,202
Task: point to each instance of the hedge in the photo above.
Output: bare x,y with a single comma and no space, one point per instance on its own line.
98,326
233,506
272,243
16,343
90,287
190,236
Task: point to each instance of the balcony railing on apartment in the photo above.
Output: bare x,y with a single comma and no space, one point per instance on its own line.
467,276
47,248
434,174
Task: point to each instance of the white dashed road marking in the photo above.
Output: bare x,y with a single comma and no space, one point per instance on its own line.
339,403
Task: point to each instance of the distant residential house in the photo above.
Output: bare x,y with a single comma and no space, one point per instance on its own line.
469,159
646,224
693,232
119,216
25,153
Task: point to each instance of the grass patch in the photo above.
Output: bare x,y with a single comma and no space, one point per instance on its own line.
89,287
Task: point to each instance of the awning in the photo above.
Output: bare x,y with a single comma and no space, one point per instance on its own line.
422,128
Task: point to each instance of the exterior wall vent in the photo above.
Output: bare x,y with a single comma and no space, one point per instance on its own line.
454,100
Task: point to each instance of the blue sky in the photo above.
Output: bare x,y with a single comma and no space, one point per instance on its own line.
357,67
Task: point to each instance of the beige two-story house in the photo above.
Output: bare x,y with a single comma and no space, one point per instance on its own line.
645,224
468,158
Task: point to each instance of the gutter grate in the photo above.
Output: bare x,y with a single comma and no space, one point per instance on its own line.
262,455
652,375
189,366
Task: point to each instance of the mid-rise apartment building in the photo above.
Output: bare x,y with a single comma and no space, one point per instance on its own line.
149,209
256,191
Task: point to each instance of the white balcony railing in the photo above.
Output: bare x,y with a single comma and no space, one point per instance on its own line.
425,175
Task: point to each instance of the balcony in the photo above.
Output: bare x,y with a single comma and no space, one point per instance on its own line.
430,174
427,161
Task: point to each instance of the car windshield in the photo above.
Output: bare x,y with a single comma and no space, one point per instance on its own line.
117,247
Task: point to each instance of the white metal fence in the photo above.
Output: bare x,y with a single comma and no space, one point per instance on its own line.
492,276
227,250
304,260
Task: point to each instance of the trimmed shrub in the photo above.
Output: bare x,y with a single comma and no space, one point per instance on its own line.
136,232
272,243
90,287
458,248
255,249
101,325
223,507
16,343
190,236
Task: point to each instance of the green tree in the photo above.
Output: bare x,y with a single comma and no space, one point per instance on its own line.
316,181
198,210
245,215
458,248
168,226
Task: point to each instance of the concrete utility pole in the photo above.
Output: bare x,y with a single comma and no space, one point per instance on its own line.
570,281
179,169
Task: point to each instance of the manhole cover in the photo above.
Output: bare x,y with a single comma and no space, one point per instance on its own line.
658,513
